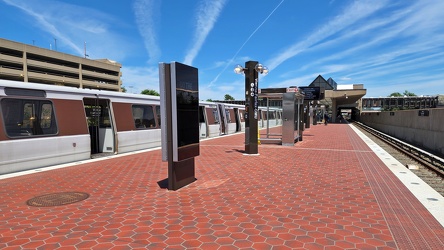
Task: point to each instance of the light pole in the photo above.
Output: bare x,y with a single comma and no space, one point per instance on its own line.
251,71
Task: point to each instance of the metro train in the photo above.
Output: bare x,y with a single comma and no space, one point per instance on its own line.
44,125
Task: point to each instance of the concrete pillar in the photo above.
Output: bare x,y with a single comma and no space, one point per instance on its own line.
334,111
25,67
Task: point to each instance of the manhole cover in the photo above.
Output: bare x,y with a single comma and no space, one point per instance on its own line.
57,199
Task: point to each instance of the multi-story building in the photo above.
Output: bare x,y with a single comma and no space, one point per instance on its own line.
27,63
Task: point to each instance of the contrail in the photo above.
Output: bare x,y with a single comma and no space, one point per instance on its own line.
147,13
232,59
208,14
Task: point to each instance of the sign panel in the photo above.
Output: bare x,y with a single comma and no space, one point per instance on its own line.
312,93
292,90
185,111
273,90
423,113
255,91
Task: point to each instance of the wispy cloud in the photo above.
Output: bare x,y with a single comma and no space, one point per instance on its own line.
207,15
72,25
418,49
402,67
230,62
353,34
401,47
46,21
353,13
147,16
429,85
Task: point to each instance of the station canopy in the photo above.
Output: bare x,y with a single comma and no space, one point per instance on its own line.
343,95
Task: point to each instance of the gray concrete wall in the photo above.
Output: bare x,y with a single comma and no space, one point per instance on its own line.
423,131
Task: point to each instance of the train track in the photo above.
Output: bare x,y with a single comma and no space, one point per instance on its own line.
428,167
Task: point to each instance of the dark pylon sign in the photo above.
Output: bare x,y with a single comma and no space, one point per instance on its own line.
179,106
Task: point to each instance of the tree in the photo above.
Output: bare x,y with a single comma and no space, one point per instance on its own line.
228,98
123,89
210,100
407,93
149,92
395,94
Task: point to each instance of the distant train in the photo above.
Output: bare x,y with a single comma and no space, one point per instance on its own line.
44,125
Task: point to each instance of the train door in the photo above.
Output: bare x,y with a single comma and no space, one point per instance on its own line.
238,122
203,130
223,120
100,127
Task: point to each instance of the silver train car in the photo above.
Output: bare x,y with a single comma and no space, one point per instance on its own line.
44,125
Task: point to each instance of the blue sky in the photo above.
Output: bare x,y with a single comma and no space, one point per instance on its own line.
387,45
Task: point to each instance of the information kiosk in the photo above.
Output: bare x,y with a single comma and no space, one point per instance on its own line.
179,103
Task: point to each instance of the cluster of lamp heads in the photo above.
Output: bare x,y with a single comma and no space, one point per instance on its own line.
261,69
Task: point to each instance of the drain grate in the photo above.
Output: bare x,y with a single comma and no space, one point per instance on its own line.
57,199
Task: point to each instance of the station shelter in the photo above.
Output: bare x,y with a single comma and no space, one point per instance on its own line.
338,99
292,108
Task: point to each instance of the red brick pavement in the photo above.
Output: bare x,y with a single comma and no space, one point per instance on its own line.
327,192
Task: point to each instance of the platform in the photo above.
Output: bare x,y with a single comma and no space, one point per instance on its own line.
330,191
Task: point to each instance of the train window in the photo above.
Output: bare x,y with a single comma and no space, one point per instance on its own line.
216,116
271,115
26,118
158,115
46,116
98,115
143,116
227,114
105,120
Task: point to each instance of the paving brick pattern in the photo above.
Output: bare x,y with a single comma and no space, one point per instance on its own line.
327,192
